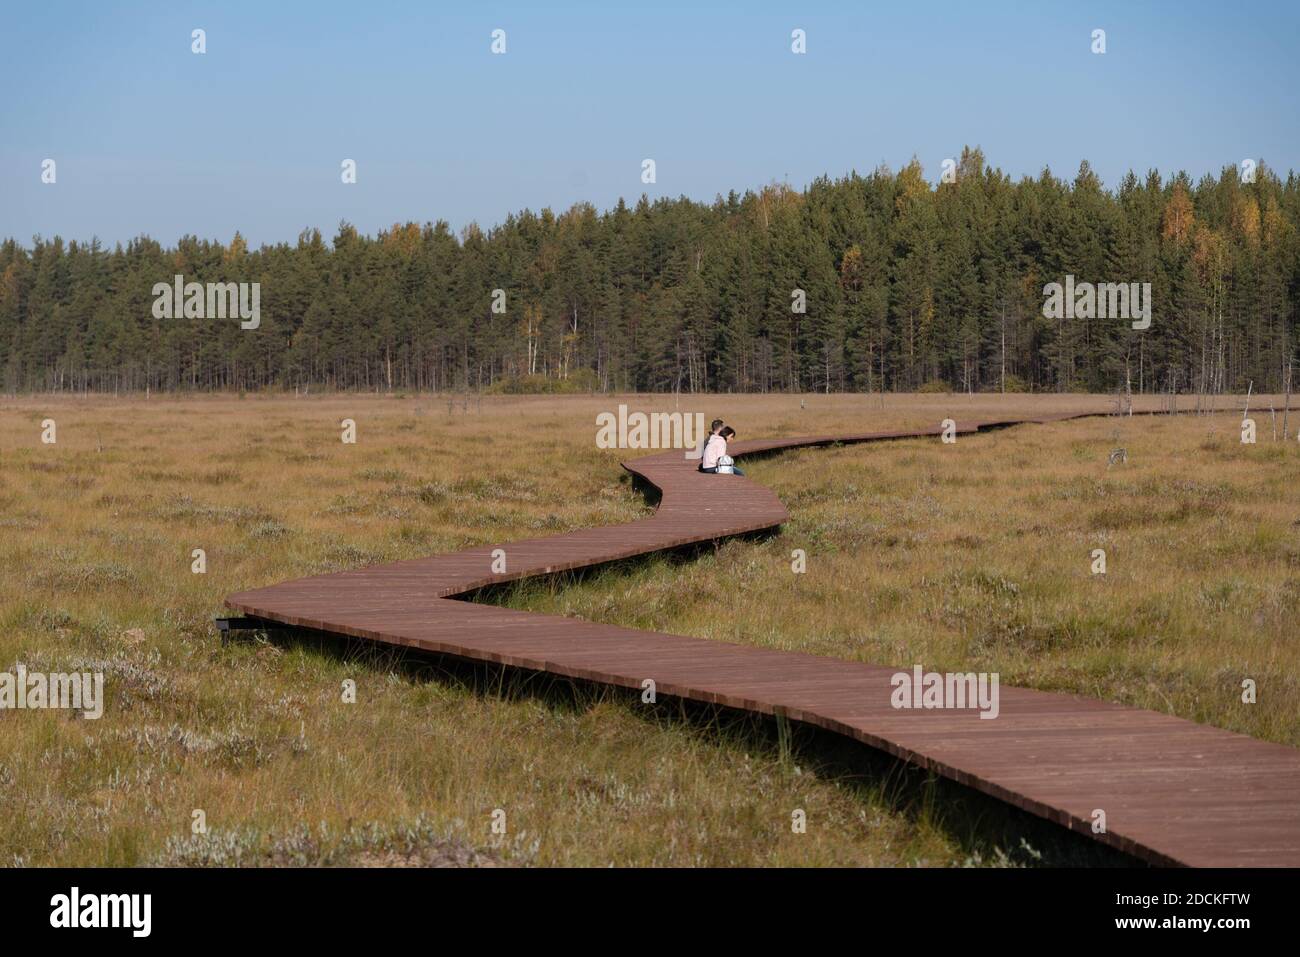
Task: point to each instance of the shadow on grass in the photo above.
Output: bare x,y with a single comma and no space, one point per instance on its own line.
987,830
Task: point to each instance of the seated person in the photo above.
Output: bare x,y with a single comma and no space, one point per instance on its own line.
714,446
714,429
715,452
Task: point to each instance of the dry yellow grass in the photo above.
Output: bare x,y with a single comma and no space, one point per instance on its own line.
974,556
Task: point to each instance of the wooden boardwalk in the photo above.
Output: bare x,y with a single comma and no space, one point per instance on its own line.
1173,791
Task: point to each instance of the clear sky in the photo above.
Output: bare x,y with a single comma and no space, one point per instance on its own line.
151,138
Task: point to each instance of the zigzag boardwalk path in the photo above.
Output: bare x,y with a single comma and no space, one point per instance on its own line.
1173,791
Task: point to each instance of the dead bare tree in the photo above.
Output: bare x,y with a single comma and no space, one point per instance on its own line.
1286,409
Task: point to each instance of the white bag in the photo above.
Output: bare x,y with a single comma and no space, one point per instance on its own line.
725,463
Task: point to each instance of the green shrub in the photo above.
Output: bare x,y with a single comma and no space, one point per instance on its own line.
583,380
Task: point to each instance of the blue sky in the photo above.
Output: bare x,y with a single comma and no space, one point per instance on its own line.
151,138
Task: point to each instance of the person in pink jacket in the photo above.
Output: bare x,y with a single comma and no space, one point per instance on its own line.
715,452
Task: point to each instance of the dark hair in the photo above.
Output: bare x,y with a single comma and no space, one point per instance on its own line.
715,425
727,432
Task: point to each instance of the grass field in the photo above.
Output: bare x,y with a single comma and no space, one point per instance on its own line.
975,556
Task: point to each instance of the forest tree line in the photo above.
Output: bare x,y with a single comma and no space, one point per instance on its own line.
905,286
